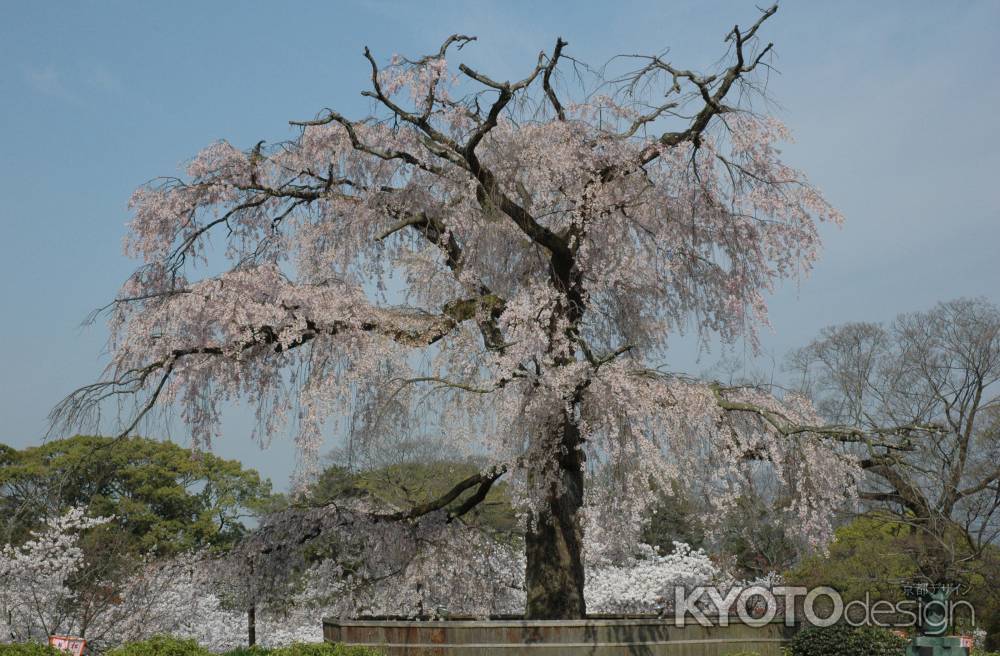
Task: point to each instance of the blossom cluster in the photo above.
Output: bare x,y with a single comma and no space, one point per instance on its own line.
460,573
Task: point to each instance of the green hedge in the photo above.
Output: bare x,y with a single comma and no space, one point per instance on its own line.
28,649
306,649
170,646
843,640
161,646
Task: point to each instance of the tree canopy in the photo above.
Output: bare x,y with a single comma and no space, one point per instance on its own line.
165,499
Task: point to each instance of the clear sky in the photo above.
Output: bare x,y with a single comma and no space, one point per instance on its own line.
893,104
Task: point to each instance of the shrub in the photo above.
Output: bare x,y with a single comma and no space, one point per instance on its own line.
28,649
305,649
842,640
323,649
161,646
248,651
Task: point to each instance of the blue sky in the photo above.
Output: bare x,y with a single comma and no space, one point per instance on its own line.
893,105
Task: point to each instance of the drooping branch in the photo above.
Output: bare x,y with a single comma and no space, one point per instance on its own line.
481,481
477,497
782,424
888,467
304,522
403,326
434,230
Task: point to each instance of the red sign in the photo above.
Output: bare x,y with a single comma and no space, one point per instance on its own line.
68,644
967,641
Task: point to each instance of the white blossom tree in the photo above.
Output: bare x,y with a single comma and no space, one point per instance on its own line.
35,597
201,595
40,595
500,264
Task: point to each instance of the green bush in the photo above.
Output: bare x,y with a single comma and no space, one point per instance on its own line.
28,649
843,640
323,649
171,646
305,649
248,651
161,646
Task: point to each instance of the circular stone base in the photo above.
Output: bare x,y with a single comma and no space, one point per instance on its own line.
593,636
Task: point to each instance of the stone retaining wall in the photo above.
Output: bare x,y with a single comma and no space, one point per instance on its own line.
596,637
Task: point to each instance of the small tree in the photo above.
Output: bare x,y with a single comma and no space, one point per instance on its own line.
36,598
500,264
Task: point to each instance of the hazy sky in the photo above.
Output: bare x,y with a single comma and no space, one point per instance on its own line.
893,104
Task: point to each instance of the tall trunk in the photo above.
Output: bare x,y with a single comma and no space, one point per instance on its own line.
935,558
251,612
554,542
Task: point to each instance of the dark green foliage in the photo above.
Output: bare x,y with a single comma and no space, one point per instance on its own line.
673,518
323,649
165,498
248,651
872,556
867,557
306,649
28,649
843,640
752,534
161,646
171,646
756,537
409,484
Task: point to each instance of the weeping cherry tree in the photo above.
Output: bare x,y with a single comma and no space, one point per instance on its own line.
501,264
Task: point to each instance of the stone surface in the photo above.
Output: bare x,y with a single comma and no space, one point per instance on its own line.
598,637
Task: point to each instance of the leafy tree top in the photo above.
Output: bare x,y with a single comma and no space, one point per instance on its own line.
166,498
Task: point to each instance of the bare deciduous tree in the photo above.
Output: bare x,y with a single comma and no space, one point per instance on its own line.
938,367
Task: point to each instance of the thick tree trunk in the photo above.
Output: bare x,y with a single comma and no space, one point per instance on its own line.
934,558
554,542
